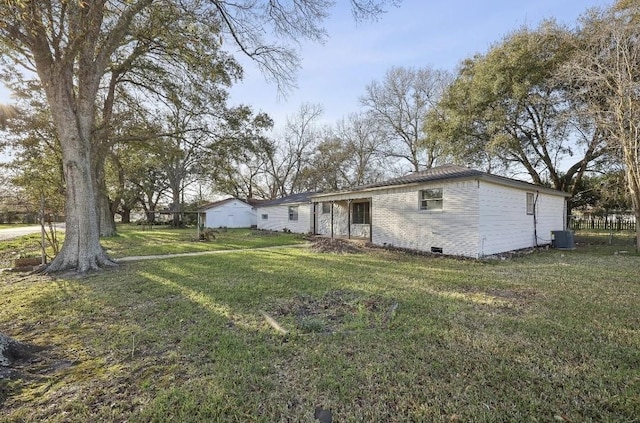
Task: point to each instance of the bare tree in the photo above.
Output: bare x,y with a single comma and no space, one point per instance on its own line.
400,104
363,142
300,138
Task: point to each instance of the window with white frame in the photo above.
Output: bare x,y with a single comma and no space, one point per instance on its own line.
265,217
431,199
293,213
326,207
531,203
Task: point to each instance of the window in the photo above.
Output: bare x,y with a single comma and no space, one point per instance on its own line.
326,207
531,203
293,213
265,217
361,214
431,199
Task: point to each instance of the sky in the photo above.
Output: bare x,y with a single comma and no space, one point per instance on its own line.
439,34
419,33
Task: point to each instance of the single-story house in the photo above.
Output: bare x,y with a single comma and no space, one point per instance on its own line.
452,210
229,213
293,213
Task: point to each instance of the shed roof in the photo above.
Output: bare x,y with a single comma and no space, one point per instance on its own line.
448,172
219,203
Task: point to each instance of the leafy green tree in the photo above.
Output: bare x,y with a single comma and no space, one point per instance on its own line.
238,159
70,45
603,193
606,68
36,161
509,106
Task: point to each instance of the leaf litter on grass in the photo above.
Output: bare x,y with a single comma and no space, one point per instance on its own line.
335,311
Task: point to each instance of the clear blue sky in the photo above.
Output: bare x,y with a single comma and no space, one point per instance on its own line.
418,33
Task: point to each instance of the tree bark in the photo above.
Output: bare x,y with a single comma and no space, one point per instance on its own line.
105,216
177,208
81,250
106,221
126,214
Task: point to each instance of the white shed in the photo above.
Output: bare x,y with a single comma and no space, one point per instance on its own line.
292,213
229,213
452,210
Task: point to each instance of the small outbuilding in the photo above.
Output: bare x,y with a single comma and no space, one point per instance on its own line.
452,210
292,213
228,213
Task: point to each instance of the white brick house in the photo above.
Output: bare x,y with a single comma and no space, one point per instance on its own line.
452,210
292,213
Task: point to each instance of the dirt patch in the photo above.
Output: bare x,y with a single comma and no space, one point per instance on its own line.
338,246
336,311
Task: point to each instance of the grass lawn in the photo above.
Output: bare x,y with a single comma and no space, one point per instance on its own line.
133,240
376,336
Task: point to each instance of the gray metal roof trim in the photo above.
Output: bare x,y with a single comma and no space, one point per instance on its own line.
304,197
445,173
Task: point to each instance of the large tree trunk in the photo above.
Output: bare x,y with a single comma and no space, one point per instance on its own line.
126,214
177,206
106,221
81,250
105,216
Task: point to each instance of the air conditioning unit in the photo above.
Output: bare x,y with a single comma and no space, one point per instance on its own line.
562,239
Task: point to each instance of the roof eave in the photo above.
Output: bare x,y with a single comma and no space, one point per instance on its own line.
488,178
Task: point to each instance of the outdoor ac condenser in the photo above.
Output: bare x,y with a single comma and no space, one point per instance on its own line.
562,239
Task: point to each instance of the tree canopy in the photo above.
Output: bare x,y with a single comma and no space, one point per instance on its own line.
74,46
510,107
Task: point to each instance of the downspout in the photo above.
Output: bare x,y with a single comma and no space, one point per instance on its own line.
535,218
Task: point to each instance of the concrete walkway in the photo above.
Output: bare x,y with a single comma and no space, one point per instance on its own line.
207,253
10,233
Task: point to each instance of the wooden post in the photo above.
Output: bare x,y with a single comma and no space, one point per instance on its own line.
198,230
349,205
42,231
332,220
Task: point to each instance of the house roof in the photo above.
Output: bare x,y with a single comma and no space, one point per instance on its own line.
219,203
303,197
448,172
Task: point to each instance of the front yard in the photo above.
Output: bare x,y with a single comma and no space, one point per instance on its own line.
372,336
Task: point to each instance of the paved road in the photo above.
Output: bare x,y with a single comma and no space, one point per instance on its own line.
10,233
